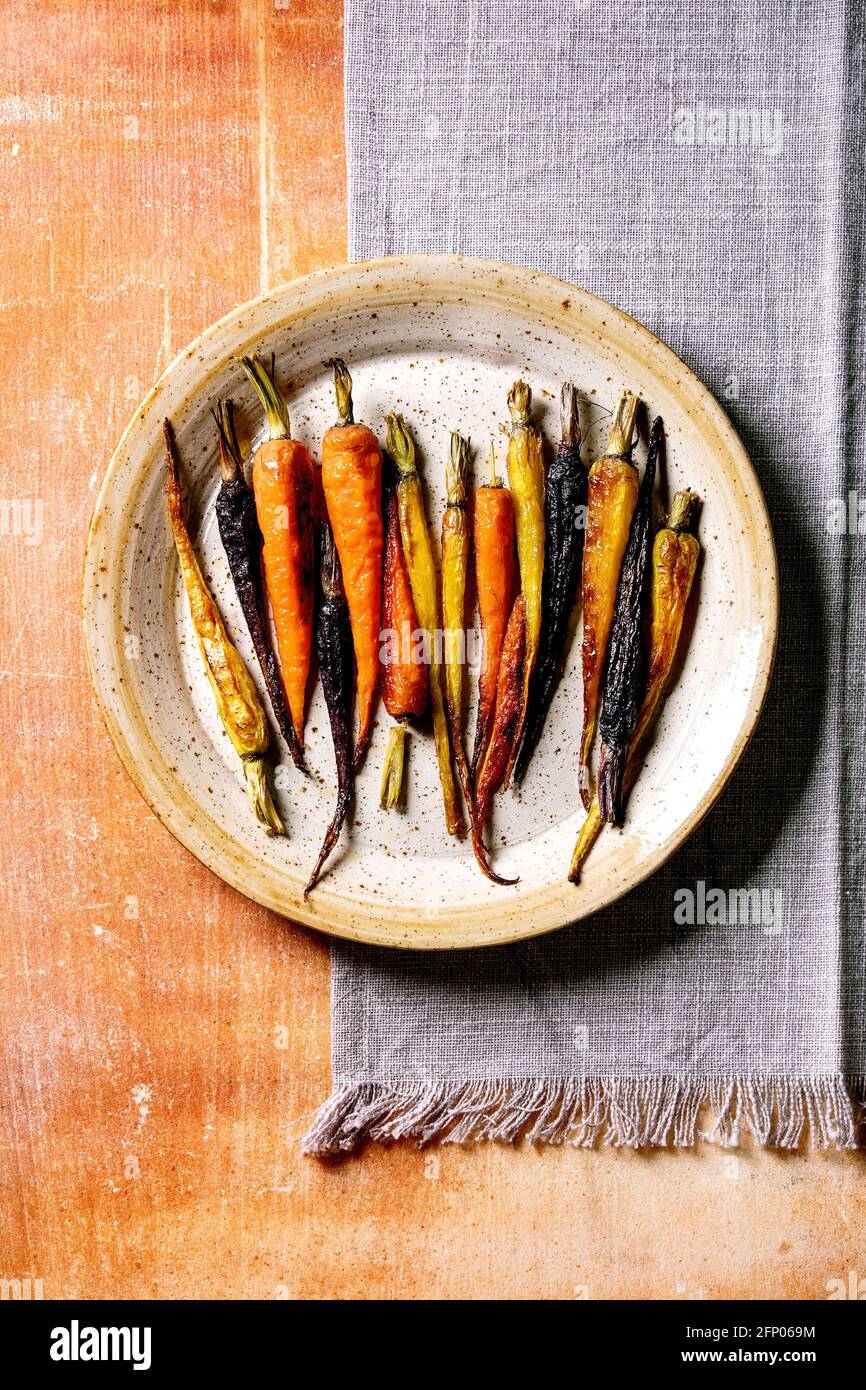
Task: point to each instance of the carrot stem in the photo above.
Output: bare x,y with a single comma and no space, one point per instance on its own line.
343,392
273,401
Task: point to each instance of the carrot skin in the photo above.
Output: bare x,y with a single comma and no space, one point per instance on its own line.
564,511
242,543
526,477
494,580
240,710
405,680
509,702
675,555
284,493
352,483
405,683
425,594
334,652
422,573
612,492
455,564
625,673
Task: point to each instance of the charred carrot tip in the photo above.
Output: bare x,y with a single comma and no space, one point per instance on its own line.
485,866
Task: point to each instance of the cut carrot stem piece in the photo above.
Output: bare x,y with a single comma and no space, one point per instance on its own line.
240,710
613,487
526,478
509,695
564,527
675,555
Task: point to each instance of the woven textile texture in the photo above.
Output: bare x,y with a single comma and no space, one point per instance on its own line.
700,166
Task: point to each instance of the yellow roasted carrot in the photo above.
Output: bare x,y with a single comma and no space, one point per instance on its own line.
613,489
237,700
422,577
405,682
674,561
455,563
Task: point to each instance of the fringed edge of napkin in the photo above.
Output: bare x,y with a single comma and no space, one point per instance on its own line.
775,1111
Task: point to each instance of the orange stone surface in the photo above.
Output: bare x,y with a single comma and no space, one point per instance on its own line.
164,1041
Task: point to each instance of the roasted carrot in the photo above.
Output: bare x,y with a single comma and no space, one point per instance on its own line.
422,577
352,482
526,479
509,697
493,531
455,564
284,488
404,672
564,526
242,542
613,487
334,652
237,701
624,679
675,556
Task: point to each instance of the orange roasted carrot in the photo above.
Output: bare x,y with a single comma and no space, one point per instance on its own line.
284,488
405,683
509,702
494,581
352,482
456,541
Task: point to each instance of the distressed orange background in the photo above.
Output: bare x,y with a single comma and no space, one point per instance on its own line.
164,1041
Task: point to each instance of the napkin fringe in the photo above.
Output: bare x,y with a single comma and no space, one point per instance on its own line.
775,1111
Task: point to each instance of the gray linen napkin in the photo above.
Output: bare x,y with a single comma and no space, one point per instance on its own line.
732,136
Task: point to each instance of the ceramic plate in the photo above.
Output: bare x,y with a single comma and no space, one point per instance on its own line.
441,339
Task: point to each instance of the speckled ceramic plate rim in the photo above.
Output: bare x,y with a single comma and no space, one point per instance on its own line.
393,280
